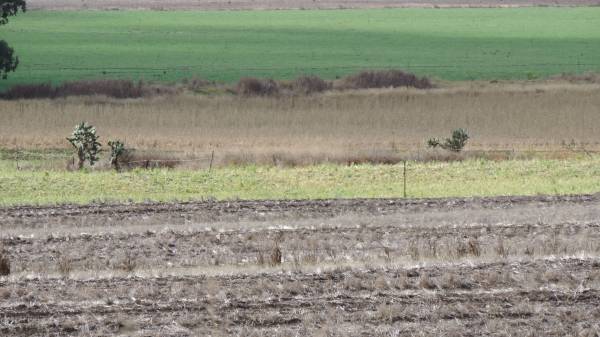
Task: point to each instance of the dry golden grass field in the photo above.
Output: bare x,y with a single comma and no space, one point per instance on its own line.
521,117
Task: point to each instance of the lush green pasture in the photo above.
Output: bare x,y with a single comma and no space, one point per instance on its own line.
454,44
468,178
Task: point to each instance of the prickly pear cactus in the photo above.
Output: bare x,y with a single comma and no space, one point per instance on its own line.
85,142
117,149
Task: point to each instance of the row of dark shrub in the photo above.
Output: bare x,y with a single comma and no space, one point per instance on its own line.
247,86
313,84
109,88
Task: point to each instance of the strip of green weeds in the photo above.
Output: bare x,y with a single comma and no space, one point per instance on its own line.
436,179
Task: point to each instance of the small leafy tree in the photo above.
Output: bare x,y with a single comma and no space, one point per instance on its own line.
117,150
85,142
456,143
8,60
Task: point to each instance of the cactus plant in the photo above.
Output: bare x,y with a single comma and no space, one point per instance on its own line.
85,142
117,149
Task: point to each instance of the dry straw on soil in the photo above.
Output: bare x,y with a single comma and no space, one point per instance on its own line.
542,116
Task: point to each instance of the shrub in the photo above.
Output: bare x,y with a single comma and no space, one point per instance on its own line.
455,144
117,150
309,84
109,88
385,79
249,86
85,142
30,91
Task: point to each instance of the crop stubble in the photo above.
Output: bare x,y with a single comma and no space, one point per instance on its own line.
490,266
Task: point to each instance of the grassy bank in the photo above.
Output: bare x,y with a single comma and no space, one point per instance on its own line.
454,44
468,178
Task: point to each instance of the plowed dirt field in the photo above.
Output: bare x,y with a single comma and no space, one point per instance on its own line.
507,266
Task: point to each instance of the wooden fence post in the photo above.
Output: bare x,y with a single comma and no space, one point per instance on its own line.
212,157
404,180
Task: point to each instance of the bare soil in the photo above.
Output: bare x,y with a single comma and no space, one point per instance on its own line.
288,4
506,266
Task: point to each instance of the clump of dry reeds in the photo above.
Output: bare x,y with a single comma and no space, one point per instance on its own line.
4,263
129,262
470,247
425,282
310,84
64,265
276,257
249,86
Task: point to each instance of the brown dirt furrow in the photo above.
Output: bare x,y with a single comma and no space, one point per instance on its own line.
532,306
324,244
306,208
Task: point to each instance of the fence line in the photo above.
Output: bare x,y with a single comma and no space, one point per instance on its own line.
209,157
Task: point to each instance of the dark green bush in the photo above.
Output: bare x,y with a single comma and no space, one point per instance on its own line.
456,143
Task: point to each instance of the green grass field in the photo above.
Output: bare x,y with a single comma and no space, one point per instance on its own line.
453,44
468,178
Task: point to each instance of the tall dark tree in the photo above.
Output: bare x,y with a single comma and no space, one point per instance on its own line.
8,60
